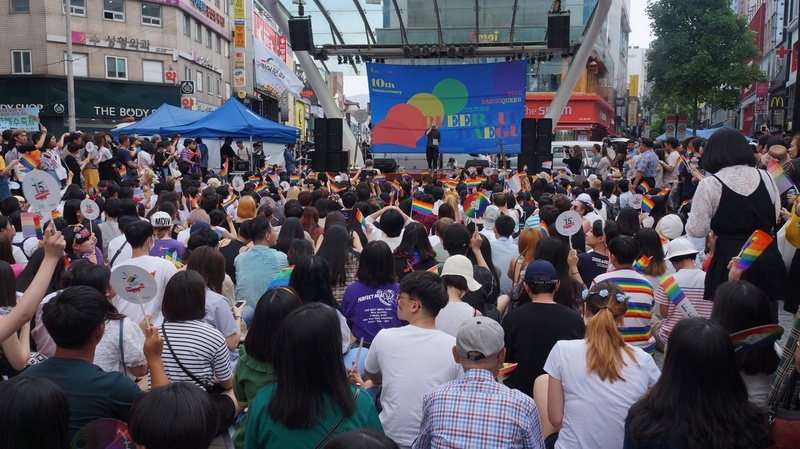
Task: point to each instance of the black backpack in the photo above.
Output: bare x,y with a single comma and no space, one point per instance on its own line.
613,208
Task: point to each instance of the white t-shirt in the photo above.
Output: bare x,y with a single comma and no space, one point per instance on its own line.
116,245
594,410
412,360
452,316
672,161
162,270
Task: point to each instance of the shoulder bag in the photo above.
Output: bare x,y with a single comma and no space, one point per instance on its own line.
209,388
785,421
338,424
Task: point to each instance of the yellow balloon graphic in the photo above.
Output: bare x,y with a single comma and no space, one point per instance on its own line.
429,105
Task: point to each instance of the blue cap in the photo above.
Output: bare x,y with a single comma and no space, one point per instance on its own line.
540,272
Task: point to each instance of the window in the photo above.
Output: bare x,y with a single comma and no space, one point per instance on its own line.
216,3
217,43
227,90
19,6
187,25
227,49
219,87
187,73
80,64
116,67
210,85
198,83
152,71
198,32
76,7
114,10
208,37
225,6
151,15
21,62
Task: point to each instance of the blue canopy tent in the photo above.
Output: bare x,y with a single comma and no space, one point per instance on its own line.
165,115
233,119
704,133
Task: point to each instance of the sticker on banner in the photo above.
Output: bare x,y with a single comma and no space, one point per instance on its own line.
41,190
238,183
89,209
134,284
568,223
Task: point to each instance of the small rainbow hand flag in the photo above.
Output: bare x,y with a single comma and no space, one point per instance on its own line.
644,187
31,225
311,174
263,170
642,263
229,201
421,207
475,205
28,162
648,204
472,183
677,297
544,229
262,189
684,204
55,214
395,186
756,337
174,256
514,183
336,189
123,173
360,219
193,203
501,175
255,178
224,170
378,179
294,177
782,180
665,191
753,247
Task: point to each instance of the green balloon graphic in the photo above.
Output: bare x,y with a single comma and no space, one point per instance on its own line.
453,95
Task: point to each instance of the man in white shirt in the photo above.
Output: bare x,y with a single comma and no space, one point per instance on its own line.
119,250
490,216
140,238
671,166
410,360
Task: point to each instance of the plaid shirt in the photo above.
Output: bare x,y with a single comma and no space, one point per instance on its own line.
478,412
648,164
787,363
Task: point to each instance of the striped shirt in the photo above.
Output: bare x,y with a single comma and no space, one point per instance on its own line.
635,328
200,348
692,282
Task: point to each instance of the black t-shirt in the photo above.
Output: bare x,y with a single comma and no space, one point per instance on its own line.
230,251
531,331
160,158
75,168
591,265
226,151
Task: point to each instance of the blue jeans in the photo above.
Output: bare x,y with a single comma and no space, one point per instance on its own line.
5,191
247,314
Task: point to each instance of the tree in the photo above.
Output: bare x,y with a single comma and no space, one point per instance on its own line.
703,53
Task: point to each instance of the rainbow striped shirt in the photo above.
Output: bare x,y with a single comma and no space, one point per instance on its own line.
636,324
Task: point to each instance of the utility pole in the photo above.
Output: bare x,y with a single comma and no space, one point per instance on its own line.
70,76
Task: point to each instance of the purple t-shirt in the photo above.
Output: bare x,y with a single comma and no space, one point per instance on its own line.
370,309
162,246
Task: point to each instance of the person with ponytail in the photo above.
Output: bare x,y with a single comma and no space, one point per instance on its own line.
593,382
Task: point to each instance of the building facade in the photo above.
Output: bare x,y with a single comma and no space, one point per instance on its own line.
129,58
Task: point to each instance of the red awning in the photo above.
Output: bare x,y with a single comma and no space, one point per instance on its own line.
567,127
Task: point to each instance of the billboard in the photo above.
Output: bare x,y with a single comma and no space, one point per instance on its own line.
477,107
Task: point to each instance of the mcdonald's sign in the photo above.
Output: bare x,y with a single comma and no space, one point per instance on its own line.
777,102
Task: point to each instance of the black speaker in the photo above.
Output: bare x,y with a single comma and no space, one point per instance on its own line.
335,134
528,140
300,36
320,133
534,162
482,163
544,135
386,165
330,161
557,30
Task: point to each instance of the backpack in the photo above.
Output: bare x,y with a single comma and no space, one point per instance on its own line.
613,208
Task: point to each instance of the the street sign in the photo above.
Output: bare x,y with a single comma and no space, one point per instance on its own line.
187,87
761,106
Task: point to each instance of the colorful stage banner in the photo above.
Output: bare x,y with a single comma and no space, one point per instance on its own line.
477,107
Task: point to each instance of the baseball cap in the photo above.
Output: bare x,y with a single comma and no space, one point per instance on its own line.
161,220
584,198
540,271
456,238
490,216
680,247
461,266
478,338
670,226
214,183
198,226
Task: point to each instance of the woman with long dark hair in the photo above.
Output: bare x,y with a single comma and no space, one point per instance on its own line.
740,305
555,251
700,401
594,381
254,366
291,229
733,201
312,400
414,253
628,221
17,348
370,303
35,414
337,249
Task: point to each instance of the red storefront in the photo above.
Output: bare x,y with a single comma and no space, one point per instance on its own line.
585,117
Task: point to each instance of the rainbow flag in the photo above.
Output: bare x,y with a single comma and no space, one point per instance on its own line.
360,219
379,178
193,203
514,183
756,337
224,170
642,263
391,198
28,162
395,186
782,180
123,172
261,189
544,229
229,201
274,178
648,204
677,297
525,167
473,183
311,175
55,214
255,178
664,191
501,175
220,231
294,178
421,207
337,189
686,160
644,187
753,247
475,205
31,225
263,170
174,256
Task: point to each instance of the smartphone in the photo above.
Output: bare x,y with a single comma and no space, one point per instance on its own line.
239,304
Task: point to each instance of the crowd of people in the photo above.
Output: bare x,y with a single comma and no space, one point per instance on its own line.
369,310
